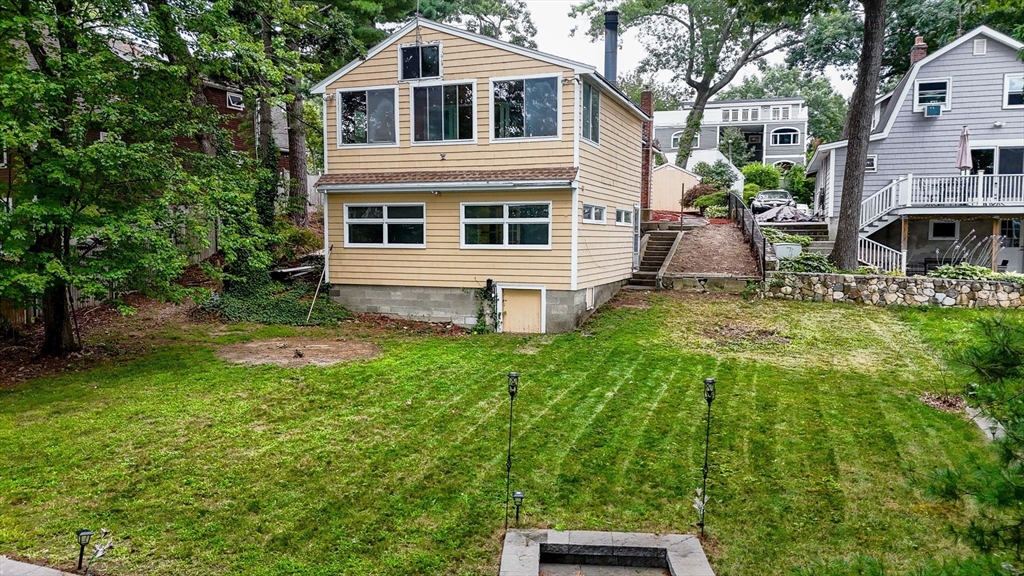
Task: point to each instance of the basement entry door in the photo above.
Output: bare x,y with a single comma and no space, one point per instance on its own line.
521,311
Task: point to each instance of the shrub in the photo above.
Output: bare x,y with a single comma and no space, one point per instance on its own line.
716,199
807,262
766,177
749,191
720,174
962,271
799,185
691,195
716,211
260,299
774,236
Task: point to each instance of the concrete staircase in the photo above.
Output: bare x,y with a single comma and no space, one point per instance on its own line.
818,231
821,247
658,248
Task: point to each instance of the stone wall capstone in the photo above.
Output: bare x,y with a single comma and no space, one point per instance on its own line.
892,290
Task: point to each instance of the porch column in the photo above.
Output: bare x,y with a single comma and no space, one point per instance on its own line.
904,234
995,244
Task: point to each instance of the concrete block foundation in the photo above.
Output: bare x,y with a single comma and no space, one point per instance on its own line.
566,309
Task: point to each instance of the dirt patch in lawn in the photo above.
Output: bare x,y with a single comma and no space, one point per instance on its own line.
714,249
944,402
298,352
636,299
744,334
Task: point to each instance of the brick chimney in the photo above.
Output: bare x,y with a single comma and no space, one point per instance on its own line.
919,51
646,150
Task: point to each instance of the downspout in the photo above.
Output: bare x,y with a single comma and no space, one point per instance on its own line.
575,231
327,237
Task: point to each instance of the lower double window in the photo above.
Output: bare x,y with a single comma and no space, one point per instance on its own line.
390,225
519,225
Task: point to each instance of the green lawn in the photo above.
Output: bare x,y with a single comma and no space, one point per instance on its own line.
396,465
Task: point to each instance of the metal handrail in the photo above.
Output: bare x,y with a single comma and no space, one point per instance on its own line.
741,214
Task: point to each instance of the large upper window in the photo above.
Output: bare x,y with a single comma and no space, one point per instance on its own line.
785,136
394,225
930,92
591,113
1013,91
678,136
780,112
506,225
741,114
421,61
526,108
367,117
442,112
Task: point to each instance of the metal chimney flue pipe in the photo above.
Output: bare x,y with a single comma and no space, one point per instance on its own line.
611,46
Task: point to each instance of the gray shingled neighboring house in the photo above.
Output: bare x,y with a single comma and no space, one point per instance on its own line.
775,129
917,205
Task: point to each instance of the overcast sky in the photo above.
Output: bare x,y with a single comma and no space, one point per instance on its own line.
553,26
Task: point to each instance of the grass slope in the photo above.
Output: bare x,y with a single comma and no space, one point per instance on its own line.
396,465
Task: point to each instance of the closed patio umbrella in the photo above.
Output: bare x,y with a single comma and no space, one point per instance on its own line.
963,151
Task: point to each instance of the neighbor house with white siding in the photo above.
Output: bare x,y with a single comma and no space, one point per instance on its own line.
917,206
462,170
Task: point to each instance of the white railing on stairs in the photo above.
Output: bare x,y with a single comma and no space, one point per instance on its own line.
884,201
880,256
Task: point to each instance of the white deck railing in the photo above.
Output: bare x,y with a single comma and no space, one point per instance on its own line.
880,256
882,202
972,190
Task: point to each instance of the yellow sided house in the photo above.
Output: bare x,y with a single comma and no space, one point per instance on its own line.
468,179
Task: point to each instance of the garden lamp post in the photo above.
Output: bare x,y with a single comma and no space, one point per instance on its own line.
518,497
83,541
513,388
709,396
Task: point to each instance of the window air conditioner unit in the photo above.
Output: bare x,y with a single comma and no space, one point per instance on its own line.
933,111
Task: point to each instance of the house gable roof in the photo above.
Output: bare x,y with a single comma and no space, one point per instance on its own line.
674,167
580,68
899,95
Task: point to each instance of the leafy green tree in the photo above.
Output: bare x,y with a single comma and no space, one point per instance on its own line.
704,43
720,174
666,96
508,20
764,176
795,180
857,131
733,144
826,109
834,38
113,214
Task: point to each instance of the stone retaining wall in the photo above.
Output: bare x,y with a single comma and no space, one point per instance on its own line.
893,290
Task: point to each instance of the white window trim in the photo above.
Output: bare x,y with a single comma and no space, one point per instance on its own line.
412,112
590,298
440,62
786,130
3,157
949,93
543,303
624,211
873,165
931,226
604,214
789,113
337,118
490,99
1006,92
504,220
876,115
384,221
227,101
674,139
983,44
593,90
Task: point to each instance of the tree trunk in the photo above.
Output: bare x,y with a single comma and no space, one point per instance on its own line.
267,155
298,190
58,338
693,122
858,132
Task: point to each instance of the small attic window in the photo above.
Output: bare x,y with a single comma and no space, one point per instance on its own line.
980,46
235,102
420,61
